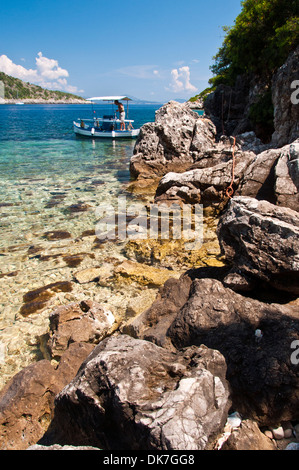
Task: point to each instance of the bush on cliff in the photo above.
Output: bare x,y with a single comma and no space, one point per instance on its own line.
264,34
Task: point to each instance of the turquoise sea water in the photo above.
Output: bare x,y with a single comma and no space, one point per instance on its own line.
52,182
41,157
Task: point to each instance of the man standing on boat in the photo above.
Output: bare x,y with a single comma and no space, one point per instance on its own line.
122,114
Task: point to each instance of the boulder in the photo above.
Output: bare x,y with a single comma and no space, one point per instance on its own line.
286,111
255,339
27,400
152,324
261,240
204,185
273,175
133,395
85,321
172,142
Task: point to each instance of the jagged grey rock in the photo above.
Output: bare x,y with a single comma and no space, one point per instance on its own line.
132,394
204,185
262,240
274,175
172,143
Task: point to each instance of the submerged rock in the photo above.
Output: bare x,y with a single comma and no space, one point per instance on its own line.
131,394
37,299
130,271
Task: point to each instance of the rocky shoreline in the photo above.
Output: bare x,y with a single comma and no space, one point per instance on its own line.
212,362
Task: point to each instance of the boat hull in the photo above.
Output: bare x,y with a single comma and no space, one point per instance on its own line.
116,134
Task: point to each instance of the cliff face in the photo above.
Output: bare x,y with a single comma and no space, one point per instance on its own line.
286,106
231,108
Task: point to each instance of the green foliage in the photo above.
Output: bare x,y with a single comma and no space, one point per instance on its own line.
263,35
203,94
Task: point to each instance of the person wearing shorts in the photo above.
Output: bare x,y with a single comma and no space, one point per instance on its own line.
122,115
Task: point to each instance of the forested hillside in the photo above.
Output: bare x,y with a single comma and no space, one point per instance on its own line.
17,89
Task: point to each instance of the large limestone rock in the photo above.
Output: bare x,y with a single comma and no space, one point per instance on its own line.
286,112
262,241
131,394
204,185
173,142
255,339
274,175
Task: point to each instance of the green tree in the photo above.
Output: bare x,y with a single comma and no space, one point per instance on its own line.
263,35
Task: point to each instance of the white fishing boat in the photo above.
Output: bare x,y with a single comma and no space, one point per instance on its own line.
109,126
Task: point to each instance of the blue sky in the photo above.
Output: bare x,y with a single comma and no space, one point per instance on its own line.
155,50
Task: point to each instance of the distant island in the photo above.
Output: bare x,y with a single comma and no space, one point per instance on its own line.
16,90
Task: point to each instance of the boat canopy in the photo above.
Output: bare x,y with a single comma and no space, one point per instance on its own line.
109,98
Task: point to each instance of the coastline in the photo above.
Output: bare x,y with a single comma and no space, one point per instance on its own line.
41,101
214,334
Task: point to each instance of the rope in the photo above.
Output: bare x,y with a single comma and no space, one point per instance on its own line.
230,191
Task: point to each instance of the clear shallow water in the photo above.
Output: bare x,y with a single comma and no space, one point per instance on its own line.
52,181
40,156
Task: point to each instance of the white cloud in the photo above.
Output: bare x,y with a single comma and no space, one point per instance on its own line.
180,80
18,71
47,74
49,69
